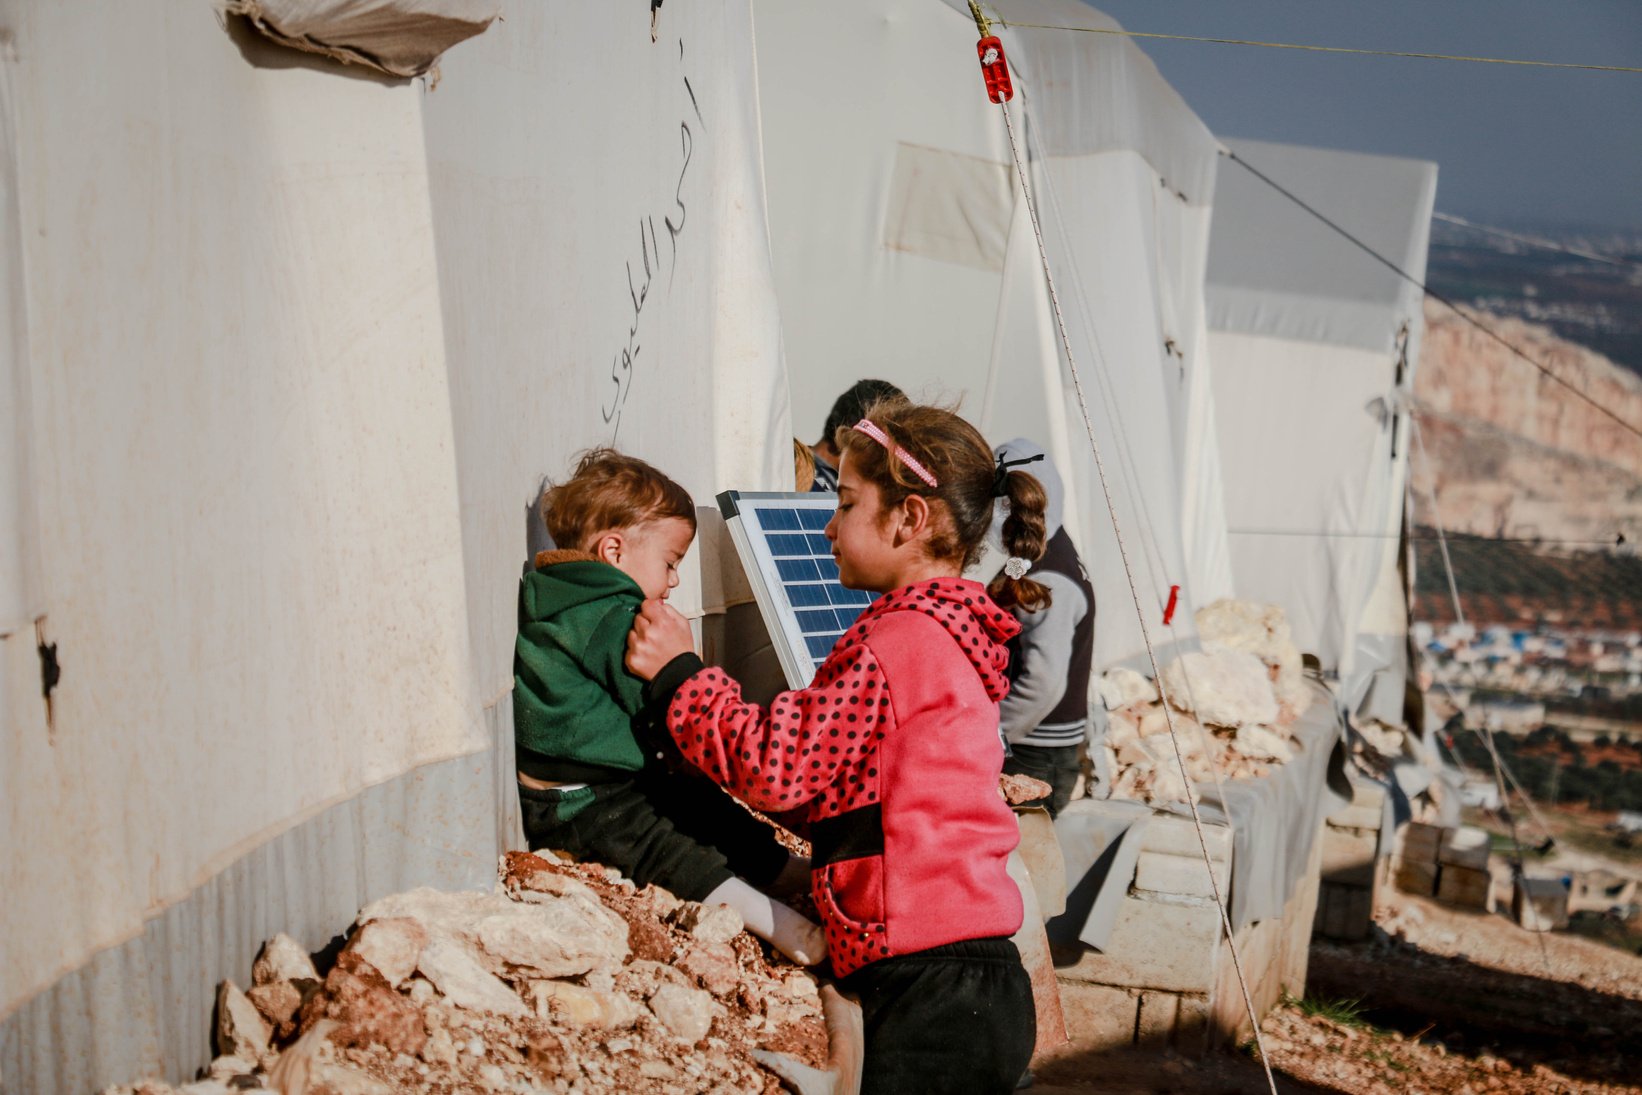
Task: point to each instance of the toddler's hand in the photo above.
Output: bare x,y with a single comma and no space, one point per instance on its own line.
660,634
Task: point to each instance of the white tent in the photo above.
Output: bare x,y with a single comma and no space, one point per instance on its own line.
1315,343
903,251
287,348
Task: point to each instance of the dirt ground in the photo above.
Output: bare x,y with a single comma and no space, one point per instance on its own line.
1441,1000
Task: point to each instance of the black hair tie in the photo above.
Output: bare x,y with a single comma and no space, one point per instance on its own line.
1000,482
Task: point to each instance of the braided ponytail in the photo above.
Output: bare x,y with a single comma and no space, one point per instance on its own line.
1025,536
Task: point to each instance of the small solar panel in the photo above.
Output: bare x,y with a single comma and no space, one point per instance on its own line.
789,563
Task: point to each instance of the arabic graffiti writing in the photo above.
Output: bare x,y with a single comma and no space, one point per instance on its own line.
641,274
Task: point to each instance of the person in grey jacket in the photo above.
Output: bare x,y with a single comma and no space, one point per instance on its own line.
1045,717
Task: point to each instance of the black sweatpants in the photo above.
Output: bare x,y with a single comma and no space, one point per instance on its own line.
953,1019
681,832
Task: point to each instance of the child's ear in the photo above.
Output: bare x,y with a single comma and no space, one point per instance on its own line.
610,547
914,519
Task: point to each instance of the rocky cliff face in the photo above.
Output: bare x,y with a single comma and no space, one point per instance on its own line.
1516,454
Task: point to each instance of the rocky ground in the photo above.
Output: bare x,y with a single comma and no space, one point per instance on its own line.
568,979
1441,1001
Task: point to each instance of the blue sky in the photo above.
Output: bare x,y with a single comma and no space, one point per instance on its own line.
1516,145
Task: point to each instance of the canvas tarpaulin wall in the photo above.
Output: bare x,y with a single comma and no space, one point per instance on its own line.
1314,346
301,344
903,251
19,541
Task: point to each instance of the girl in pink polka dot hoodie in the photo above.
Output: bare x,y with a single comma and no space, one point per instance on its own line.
888,762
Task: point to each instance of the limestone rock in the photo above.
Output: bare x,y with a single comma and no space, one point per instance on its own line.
686,1012
709,923
460,977
278,1002
226,1068
714,966
366,1009
1121,687
580,1006
1121,727
1227,687
557,937
283,959
1261,630
241,1030
527,874
1017,789
1262,744
392,944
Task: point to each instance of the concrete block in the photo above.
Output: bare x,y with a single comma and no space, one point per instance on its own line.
1466,846
1344,912
1178,836
1540,904
1348,855
1418,842
1357,817
1193,1032
1465,886
1414,877
1158,1011
1179,874
1099,1016
1155,945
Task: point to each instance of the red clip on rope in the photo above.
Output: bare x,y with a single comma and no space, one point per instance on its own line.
1168,610
995,67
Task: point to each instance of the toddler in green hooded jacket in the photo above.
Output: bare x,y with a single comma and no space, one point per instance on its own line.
588,785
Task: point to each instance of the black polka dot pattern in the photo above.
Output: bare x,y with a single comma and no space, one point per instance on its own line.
814,753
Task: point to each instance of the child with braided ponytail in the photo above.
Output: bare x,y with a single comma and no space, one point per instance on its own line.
889,760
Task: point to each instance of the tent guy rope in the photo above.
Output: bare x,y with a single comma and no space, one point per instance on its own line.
1002,100
1121,33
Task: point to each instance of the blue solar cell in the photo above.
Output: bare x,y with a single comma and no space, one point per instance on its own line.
820,646
807,596
838,595
814,519
784,519
789,546
829,569
848,616
798,570
819,545
819,622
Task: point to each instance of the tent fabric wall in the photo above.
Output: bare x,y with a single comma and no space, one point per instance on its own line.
1122,172
301,344
1315,345
605,279
19,545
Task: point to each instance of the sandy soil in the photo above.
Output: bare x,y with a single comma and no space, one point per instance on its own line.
1445,1001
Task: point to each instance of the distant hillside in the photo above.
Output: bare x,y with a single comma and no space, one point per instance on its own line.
1517,455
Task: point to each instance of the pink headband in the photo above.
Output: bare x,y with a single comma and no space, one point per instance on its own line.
867,427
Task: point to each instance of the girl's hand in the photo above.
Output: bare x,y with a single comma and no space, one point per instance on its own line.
660,634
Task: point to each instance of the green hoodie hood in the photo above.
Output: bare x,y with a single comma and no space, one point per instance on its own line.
573,698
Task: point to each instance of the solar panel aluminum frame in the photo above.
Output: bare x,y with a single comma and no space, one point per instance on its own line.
744,515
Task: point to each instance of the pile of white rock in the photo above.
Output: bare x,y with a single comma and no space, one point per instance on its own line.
1231,706
567,978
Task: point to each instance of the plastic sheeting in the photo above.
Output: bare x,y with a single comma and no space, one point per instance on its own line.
302,344
1121,171
1315,345
400,37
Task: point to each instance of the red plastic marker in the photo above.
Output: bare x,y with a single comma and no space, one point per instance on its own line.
995,67
1168,610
